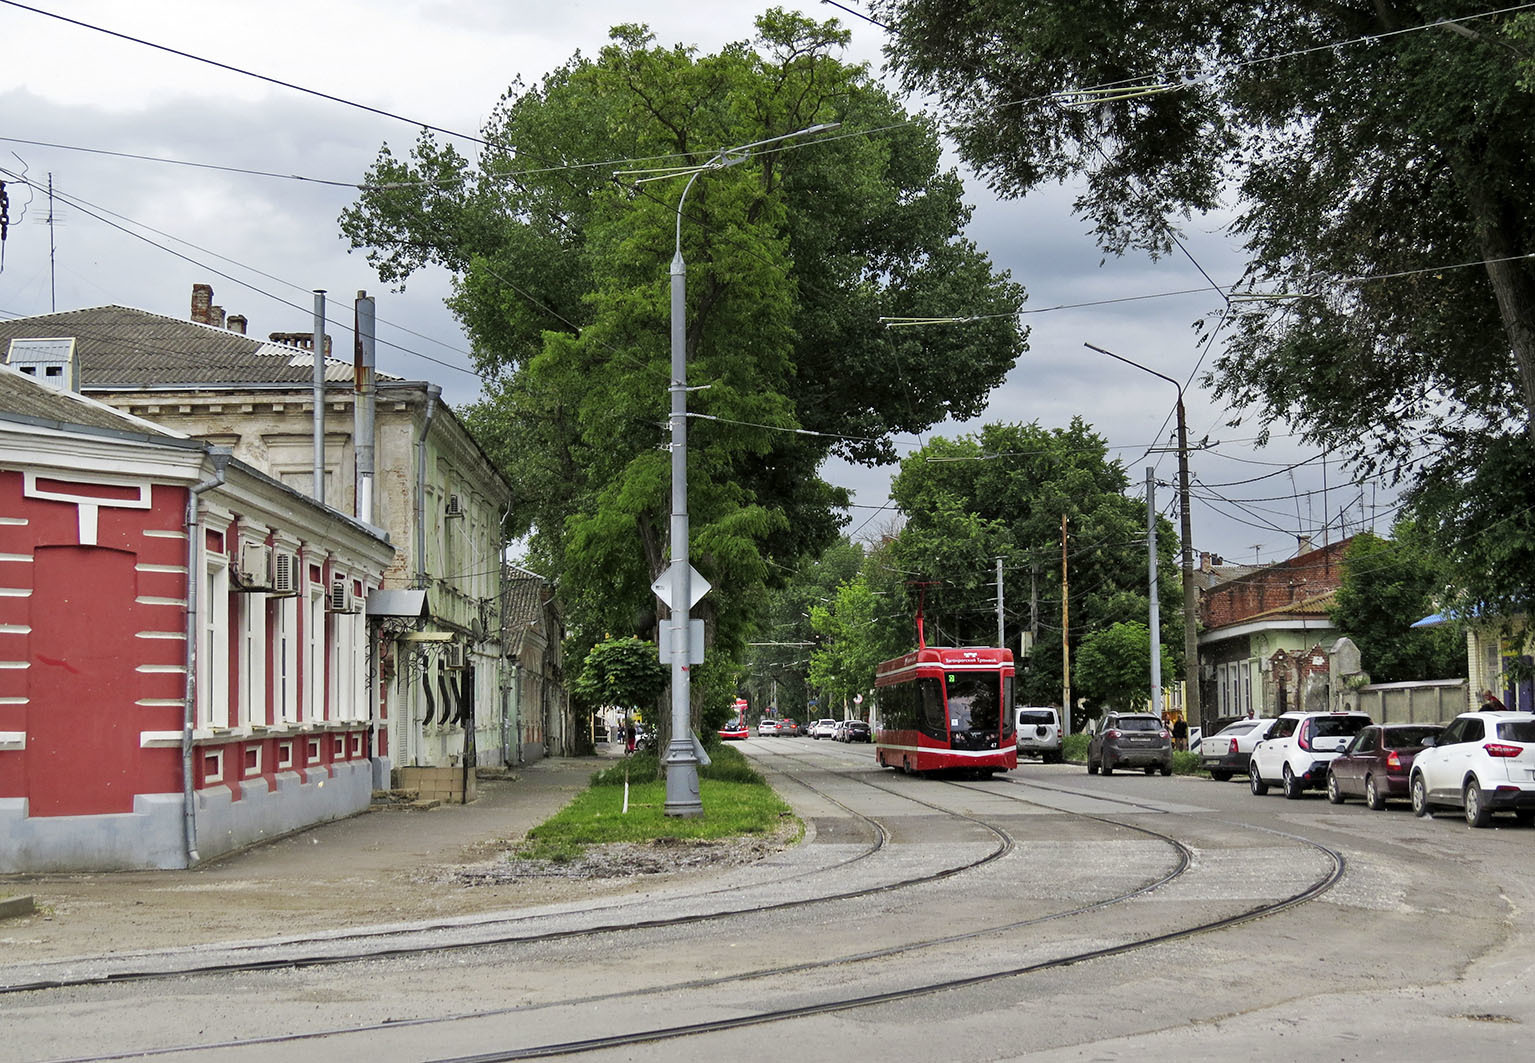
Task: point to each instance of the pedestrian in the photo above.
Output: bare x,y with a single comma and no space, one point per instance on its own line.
629,735
1180,732
1491,703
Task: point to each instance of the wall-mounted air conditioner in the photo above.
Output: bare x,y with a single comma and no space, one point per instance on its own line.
285,572
341,599
456,655
253,567
455,506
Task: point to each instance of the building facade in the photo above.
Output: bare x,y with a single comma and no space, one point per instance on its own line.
184,664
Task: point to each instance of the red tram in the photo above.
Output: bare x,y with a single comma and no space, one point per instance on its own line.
946,708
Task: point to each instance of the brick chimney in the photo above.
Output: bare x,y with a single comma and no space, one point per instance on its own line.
216,316
202,303
237,323
304,341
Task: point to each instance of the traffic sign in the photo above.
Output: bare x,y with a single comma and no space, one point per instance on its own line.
697,585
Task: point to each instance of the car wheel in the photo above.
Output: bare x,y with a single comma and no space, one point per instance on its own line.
1151,769
1524,816
1221,776
1092,766
1477,812
1167,769
1292,789
1334,791
1255,781
1372,794
1420,797
1108,766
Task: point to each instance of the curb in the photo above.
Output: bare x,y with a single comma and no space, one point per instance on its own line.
12,907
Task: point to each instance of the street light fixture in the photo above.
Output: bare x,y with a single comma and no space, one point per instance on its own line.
1190,628
682,798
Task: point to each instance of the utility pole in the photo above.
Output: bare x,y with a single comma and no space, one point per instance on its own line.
1001,632
1155,623
1065,637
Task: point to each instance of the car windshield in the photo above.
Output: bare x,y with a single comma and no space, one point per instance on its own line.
1407,737
1036,717
1517,730
1339,726
1139,723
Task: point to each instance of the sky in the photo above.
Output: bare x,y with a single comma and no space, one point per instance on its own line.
140,233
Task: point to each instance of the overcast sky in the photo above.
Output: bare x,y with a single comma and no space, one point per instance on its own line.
141,233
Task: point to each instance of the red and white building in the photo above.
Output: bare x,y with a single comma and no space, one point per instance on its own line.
185,666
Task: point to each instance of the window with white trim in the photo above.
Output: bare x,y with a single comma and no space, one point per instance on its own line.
314,654
213,643
250,614
284,660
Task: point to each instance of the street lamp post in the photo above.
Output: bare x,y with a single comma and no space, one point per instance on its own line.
1190,629
682,797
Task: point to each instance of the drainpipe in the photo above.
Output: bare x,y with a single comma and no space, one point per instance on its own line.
220,457
432,392
362,408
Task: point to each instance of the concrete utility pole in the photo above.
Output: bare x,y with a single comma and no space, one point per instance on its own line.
1155,623
1001,630
1065,636
1190,595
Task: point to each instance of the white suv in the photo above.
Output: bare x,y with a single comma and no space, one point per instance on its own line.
1039,732
1298,749
1482,762
823,728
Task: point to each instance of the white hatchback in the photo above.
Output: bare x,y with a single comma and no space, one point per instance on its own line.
1483,762
1298,749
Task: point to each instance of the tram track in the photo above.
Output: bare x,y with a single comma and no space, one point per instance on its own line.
842,1003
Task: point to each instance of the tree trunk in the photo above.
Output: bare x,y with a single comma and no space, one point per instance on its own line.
1496,222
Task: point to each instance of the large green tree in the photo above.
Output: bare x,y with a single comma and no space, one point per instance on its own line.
561,278
1001,493
1387,585
1377,154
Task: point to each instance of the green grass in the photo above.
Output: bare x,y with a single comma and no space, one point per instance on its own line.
736,801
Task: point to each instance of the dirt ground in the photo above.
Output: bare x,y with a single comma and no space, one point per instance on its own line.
392,864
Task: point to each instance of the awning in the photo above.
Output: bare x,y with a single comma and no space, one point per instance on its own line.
410,605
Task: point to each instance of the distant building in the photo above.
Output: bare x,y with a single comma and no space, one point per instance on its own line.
184,663
444,657
1249,618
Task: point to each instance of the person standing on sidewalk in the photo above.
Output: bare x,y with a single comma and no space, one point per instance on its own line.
628,735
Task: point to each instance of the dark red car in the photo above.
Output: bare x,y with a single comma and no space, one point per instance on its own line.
1377,763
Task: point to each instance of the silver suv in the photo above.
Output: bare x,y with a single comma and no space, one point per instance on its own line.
1039,733
1298,749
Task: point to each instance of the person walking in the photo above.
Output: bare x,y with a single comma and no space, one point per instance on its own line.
629,735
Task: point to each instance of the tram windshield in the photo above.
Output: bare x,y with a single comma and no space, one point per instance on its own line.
973,701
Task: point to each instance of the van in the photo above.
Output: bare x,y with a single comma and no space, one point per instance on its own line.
1039,732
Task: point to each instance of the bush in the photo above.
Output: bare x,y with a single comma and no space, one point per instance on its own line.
729,765
1074,748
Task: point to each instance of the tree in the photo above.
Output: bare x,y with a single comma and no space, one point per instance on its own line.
863,625
1001,493
779,658
623,672
561,279
1387,585
1370,148
1113,666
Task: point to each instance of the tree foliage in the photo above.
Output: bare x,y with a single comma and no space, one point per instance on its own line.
1387,585
624,672
1113,667
561,278
864,623
1378,158
1002,493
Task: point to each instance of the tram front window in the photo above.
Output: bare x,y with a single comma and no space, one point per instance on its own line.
974,710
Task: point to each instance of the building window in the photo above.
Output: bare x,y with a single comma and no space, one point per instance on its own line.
284,630
314,656
251,626
213,647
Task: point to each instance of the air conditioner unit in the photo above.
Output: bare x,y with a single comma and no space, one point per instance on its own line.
254,569
455,506
285,573
457,655
341,599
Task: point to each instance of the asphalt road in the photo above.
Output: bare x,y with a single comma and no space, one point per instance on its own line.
1044,914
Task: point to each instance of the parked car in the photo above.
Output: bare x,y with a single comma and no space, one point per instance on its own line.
823,729
1225,754
1039,733
1483,762
1378,763
734,731
1298,749
856,731
790,728
1134,739
767,726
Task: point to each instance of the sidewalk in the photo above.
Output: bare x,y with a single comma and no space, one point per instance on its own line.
387,865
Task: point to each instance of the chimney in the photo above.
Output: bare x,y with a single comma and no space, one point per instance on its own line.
216,316
202,303
237,323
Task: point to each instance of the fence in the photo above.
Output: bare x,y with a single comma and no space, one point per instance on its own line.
1432,701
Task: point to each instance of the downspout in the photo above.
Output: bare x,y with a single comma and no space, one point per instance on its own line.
432,392
220,457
